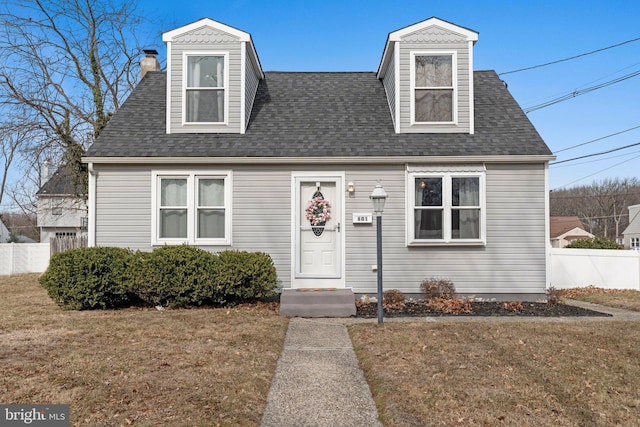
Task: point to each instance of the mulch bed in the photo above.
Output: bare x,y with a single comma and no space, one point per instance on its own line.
530,309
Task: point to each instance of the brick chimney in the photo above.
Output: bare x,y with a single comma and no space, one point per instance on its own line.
149,62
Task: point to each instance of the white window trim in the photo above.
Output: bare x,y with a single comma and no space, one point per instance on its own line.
634,243
192,209
454,77
187,54
446,207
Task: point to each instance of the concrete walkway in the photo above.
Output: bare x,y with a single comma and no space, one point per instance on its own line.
318,381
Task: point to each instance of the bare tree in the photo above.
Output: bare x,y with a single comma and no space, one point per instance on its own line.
601,206
68,64
11,141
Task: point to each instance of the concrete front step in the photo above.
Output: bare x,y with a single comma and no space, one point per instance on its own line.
318,303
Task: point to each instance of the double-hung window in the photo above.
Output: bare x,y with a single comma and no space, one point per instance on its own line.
446,208
433,84
635,243
205,88
192,207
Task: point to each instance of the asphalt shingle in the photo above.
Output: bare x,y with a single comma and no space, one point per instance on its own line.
319,115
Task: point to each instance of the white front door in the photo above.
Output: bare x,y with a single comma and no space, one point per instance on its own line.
318,243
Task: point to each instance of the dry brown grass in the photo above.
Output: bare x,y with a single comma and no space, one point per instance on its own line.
619,298
503,374
143,367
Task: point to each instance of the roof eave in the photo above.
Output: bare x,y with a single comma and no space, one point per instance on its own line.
320,160
206,22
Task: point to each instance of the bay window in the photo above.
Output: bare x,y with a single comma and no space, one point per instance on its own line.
205,87
192,207
446,208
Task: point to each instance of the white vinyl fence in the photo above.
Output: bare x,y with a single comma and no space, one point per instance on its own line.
602,268
18,258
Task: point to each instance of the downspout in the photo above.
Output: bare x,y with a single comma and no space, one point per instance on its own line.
91,202
547,232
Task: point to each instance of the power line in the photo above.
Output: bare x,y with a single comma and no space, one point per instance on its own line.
570,58
595,160
594,154
579,92
596,173
597,139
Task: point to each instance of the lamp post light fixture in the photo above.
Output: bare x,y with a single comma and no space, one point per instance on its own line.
378,198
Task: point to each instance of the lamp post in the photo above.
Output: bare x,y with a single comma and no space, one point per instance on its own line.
378,198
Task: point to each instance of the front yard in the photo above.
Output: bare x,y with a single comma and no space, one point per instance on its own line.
519,372
214,366
137,366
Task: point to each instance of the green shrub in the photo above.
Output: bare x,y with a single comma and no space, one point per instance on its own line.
88,278
595,243
246,276
176,276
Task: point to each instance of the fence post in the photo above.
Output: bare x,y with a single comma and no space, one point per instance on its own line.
13,259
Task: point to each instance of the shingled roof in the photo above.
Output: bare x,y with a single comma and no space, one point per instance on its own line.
59,184
319,115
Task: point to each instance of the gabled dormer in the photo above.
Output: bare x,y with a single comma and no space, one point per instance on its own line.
427,73
213,73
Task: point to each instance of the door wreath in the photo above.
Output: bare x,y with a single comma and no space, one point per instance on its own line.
318,212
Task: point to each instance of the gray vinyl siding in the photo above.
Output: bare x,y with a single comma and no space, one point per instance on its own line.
389,82
512,262
410,44
251,86
123,206
208,41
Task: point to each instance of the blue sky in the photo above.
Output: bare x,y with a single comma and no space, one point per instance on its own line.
350,36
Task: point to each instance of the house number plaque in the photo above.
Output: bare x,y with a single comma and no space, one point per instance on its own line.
362,218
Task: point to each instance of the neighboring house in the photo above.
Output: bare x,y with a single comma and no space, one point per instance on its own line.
219,154
5,236
566,229
632,232
59,210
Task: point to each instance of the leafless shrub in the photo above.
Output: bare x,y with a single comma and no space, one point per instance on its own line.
437,288
451,305
515,306
393,298
553,295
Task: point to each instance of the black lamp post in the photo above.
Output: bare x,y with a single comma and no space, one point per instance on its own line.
378,198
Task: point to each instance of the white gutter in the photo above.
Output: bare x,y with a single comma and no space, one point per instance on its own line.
385,160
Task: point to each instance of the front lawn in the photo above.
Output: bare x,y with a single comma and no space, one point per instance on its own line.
137,366
618,298
493,373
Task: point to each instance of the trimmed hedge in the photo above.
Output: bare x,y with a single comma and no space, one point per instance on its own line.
246,275
88,278
594,243
173,276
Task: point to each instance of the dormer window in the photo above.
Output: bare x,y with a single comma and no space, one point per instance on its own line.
205,87
433,82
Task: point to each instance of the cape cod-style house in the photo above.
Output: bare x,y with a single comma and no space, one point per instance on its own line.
217,153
